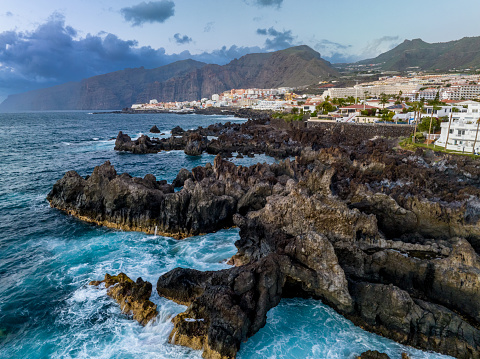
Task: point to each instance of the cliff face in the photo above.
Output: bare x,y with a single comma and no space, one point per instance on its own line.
114,90
180,81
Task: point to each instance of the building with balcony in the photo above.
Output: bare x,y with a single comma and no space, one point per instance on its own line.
461,133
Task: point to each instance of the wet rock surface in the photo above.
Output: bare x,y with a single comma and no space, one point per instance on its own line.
388,238
133,297
373,354
154,129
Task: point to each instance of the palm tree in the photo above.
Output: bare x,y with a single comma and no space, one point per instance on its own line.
476,135
418,108
434,108
454,109
383,100
366,95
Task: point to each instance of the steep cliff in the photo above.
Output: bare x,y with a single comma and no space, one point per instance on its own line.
180,81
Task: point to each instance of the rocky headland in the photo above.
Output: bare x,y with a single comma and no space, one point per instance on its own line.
388,238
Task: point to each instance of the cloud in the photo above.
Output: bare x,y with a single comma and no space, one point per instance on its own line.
334,51
266,3
208,27
278,40
224,55
378,46
55,53
155,11
181,40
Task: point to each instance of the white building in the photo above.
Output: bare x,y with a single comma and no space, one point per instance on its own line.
461,92
462,130
427,95
270,105
443,111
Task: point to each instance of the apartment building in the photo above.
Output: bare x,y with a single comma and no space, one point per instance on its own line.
461,134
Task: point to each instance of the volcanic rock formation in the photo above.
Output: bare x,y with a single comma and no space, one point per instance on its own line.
388,238
133,297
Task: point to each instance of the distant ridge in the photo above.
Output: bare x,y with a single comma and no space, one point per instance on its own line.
113,90
443,56
180,81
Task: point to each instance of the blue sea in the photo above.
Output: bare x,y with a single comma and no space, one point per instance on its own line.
47,259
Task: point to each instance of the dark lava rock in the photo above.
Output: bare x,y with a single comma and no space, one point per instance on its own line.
205,204
196,144
124,202
220,317
133,297
142,145
177,131
373,354
388,238
154,129
182,176
418,292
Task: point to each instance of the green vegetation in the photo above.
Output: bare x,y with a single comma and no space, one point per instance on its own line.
289,117
424,125
407,144
383,99
325,107
369,112
386,115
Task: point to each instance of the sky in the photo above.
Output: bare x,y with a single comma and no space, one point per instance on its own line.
49,42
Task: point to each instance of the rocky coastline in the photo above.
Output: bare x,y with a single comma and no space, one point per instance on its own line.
236,112
388,238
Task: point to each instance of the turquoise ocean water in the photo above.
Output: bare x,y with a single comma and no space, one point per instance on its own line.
47,309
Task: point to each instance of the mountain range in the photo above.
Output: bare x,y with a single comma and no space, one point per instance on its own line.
180,81
192,80
442,56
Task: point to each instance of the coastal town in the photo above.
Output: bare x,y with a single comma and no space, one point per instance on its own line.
444,107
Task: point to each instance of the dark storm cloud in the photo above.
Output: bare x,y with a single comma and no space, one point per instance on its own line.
54,53
155,11
179,39
278,40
